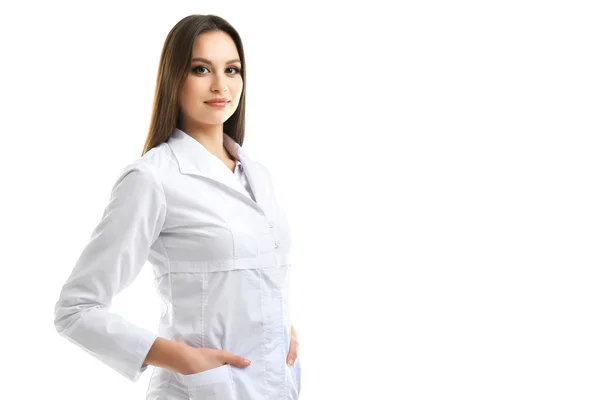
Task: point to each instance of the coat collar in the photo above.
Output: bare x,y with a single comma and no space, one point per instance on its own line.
194,159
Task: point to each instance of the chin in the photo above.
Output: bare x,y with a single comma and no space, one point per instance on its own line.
214,121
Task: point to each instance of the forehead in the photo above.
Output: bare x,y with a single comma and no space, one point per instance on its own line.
216,46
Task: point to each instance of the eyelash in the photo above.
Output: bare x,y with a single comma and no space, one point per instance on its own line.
237,70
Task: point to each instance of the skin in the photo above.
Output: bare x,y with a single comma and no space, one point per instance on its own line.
217,75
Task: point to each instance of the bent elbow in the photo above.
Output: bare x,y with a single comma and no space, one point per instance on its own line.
68,311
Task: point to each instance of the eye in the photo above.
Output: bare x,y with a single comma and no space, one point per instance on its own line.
235,69
195,69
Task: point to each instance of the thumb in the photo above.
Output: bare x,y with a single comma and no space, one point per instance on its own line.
235,360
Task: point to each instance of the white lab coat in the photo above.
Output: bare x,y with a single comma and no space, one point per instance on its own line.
221,263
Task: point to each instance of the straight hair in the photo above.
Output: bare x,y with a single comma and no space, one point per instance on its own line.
173,69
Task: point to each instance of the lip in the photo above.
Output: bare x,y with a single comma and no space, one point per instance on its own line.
217,104
218,101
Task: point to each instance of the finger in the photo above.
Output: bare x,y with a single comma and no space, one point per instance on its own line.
235,360
293,353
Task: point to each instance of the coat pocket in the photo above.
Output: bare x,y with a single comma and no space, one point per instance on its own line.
213,384
298,368
297,378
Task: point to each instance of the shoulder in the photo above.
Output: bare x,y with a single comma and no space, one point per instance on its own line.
258,165
262,167
262,170
146,172
156,161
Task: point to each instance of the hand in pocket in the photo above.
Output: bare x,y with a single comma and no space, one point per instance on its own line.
203,359
293,351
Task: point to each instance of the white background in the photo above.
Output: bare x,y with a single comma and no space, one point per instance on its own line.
438,162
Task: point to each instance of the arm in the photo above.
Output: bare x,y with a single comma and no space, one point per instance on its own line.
117,250
169,354
184,359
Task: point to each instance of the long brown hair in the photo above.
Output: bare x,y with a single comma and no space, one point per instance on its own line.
174,65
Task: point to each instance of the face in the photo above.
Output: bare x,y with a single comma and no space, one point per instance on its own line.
215,73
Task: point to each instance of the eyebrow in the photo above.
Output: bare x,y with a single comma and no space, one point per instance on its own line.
208,62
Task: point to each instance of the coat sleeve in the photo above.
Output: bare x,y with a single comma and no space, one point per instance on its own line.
117,250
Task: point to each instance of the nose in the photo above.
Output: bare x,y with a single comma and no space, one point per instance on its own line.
218,84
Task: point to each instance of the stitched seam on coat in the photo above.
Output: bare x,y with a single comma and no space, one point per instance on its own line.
280,331
170,275
203,303
284,345
232,382
232,243
263,344
168,260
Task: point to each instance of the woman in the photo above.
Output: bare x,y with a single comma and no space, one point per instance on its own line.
204,214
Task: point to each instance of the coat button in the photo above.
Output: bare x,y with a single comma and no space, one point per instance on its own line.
276,243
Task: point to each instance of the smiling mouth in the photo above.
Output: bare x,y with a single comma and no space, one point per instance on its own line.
217,104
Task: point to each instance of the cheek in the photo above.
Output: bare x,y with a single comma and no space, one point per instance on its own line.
188,97
238,90
184,96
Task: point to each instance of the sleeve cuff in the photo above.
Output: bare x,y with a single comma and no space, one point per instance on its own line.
143,347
